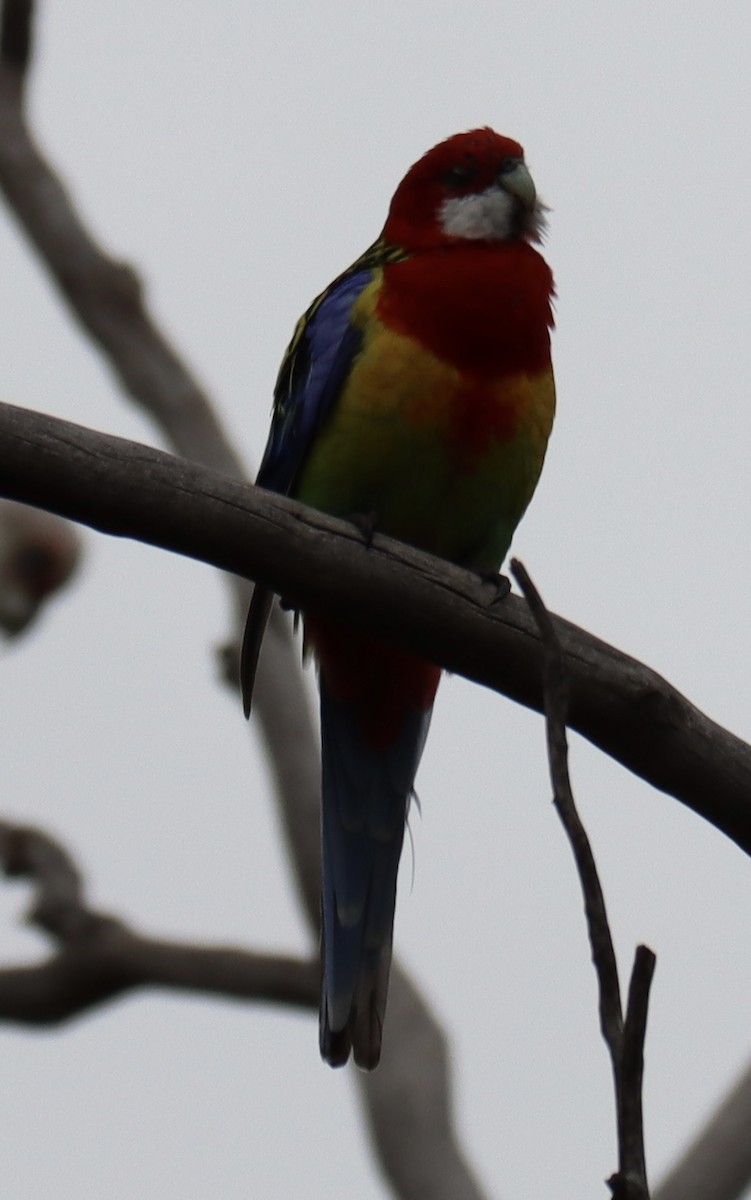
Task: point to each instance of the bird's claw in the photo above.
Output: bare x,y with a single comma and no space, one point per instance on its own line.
501,586
366,523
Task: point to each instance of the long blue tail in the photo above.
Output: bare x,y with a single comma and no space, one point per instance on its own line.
365,797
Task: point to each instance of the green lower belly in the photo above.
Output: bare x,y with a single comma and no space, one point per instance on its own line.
407,479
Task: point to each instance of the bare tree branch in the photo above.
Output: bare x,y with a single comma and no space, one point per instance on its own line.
631,1181
39,554
717,1164
98,958
107,299
105,296
660,735
625,1040
442,612
422,1155
556,702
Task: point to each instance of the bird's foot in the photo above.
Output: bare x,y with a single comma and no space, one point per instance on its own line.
366,523
500,583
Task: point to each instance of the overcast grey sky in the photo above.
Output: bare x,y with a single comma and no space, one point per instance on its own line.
242,155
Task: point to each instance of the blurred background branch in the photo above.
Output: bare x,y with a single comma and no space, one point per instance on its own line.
39,554
98,958
106,297
717,1163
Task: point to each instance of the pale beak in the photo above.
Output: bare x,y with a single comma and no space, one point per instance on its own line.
517,181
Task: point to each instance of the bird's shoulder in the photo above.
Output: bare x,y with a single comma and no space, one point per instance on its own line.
325,319
315,366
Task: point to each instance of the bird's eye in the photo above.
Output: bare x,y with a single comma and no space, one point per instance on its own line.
509,164
459,176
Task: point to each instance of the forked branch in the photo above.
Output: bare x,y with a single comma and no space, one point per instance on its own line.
623,1037
96,958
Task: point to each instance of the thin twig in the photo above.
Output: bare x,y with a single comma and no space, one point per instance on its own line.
630,1116
625,1040
555,692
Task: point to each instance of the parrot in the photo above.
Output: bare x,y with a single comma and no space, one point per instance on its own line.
416,394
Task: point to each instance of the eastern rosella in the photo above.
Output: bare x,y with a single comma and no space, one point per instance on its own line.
417,391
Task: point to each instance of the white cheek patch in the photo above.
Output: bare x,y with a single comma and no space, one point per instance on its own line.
490,216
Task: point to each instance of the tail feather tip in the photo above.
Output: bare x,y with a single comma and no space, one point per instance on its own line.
360,1037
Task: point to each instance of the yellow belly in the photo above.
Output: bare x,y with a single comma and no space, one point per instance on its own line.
441,461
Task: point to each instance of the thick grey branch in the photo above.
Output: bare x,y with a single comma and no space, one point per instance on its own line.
444,613
97,958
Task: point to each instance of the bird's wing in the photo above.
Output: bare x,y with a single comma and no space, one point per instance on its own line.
313,371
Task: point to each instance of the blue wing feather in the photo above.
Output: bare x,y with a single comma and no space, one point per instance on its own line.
314,369
313,373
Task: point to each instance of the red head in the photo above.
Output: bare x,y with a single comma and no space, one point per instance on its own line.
474,186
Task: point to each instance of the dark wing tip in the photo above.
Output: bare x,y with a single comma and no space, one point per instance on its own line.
335,1046
258,615
368,1057
361,1038
367,1021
